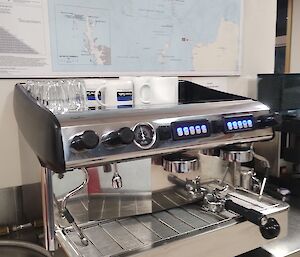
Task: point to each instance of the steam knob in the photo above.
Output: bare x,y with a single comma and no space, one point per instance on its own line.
123,136
87,140
271,229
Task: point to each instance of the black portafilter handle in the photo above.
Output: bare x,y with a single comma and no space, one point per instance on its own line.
251,215
269,227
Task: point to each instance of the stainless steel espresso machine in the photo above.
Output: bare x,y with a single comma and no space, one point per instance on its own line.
145,186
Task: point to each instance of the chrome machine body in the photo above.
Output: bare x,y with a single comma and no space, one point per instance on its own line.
150,203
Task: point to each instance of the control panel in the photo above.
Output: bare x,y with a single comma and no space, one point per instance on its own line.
112,141
238,124
190,129
144,134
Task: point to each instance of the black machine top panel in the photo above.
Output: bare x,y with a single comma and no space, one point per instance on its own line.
281,92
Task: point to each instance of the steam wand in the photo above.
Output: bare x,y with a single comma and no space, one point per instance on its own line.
267,169
65,213
116,179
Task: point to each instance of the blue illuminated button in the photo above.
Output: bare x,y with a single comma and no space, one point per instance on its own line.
229,125
179,132
186,131
204,129
235,125
192,130
245,124
198,129
240,124
250,124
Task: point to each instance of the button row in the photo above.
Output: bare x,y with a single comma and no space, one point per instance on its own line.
239,124
192,130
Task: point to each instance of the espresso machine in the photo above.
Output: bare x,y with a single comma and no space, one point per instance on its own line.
136,182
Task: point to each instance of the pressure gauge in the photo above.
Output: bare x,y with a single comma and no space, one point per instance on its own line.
144,135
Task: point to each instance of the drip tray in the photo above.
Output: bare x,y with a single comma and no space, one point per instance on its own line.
126,236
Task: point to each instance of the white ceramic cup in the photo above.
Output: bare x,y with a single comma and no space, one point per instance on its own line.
155,90
115,93
91,97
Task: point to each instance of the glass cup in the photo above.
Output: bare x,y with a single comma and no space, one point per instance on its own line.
59,96
29,85
54,97
38,91
75,93
78,93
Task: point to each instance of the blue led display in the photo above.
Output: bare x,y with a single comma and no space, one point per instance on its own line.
204,129
229,125
179,132
240,124
186,131
234,124
250,123
198,129
190,129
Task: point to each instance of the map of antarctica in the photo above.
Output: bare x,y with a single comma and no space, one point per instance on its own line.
192,36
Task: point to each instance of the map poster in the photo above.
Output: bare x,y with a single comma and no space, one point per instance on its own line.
130,37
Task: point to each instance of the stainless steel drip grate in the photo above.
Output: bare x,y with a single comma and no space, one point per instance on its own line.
125,235
109,206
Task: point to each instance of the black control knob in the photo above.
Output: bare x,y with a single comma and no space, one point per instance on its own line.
124,136
87,140
271,229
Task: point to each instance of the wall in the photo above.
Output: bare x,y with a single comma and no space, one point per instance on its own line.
20,166
295,45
